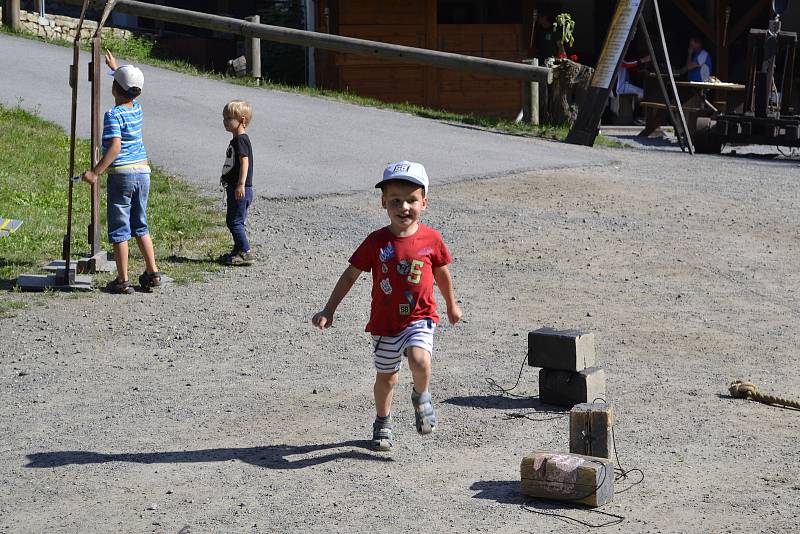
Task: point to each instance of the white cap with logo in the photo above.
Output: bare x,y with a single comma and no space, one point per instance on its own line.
407,171
129,77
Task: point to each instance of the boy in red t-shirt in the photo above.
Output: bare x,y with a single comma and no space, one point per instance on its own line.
405,258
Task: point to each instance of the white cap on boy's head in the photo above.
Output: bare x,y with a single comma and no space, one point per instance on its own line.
407,171
128,77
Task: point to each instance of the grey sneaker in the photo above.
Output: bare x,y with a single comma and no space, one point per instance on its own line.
382,435
424,415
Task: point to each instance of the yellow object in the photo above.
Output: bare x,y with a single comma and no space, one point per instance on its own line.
747,390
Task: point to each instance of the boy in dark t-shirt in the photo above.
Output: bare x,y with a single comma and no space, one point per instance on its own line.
405,258
237,179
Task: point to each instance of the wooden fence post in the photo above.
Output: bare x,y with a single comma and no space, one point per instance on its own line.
253,51
11,15
530,97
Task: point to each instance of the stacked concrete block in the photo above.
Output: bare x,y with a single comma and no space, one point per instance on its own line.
566,357
568,477
591,430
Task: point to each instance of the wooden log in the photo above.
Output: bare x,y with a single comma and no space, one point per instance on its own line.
565,350
590,430
568,477
568,388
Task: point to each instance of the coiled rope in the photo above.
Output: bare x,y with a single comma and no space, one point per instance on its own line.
747,390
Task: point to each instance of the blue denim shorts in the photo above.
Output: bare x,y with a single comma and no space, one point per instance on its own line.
127,206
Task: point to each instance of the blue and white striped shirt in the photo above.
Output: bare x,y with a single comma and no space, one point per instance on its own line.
125,123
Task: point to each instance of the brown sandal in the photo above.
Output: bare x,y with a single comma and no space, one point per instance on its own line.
149,280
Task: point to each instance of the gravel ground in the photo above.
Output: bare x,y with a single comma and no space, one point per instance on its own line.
215,407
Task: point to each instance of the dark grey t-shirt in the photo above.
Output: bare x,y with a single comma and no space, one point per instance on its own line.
239,146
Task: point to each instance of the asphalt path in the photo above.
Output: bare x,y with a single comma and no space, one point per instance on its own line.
302,145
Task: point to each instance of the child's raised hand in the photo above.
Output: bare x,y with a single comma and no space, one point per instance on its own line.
322,320
110,60
454,313
89,177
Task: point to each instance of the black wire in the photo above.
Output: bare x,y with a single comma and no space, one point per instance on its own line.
616,521
620,473
497,388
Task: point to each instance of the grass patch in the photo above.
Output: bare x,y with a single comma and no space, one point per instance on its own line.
8,307
141,50
188,231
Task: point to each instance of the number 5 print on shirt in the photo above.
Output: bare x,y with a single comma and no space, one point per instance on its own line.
416,271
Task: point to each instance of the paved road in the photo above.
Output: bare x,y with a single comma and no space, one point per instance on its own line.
303,145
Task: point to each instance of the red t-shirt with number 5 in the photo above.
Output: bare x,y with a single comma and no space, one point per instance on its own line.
402,277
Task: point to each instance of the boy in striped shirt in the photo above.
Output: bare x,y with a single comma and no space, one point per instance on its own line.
125,159
405,258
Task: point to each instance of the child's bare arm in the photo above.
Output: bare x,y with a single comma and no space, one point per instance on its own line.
108,158
244,165
445,283
111,60
324,318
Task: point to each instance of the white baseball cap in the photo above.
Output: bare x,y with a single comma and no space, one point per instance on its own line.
128,77
407,171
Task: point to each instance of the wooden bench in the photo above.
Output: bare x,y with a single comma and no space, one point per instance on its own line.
8,226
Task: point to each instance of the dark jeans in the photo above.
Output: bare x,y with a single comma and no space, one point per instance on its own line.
237,216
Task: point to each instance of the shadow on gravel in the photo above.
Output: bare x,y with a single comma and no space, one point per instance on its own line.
500,491
184,259
502,402
7,284
270,457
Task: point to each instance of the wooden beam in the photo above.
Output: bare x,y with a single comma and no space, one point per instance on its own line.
745,22
338,43
696,19
11,15
724,41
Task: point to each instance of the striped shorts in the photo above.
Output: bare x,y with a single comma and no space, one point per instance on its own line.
389,350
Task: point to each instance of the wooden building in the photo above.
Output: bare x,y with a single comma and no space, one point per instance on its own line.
501,29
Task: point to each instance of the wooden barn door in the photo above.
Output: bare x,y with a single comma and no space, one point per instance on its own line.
390,21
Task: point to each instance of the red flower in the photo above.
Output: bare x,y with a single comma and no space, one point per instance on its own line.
562,55
574,57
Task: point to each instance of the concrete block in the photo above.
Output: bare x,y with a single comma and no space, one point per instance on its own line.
568,477
567,388
590,430
567,350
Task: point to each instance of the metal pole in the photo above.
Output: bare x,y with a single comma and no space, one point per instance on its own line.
672,79
66,246
667,100
311,65
96,131
11,15
337,43
253,51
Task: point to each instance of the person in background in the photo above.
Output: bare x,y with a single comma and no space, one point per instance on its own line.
698,62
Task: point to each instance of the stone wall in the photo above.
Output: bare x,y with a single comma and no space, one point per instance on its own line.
58,27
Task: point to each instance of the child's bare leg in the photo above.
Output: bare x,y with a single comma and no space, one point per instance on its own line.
146,248
419,362
121,259
384,392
